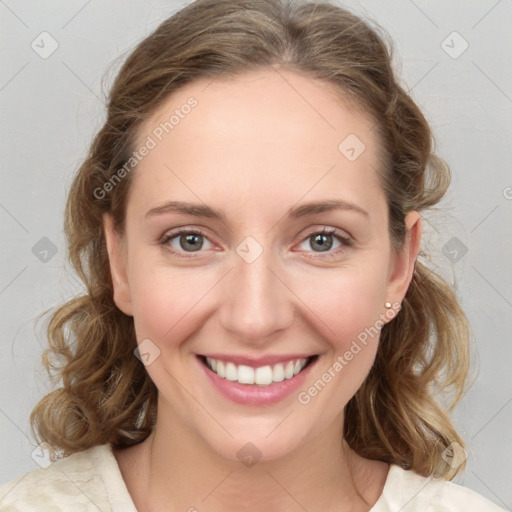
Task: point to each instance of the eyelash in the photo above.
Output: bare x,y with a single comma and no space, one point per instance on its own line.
345,241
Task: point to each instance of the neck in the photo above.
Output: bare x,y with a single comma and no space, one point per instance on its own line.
179,471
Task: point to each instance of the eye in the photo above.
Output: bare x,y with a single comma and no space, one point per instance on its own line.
323,241
184,241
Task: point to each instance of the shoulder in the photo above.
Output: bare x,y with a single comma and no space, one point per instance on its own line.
407,491
75,480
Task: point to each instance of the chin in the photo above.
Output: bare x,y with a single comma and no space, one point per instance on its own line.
252,449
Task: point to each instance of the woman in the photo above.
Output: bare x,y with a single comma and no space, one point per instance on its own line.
258,332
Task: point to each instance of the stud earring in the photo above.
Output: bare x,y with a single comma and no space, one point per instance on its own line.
387,304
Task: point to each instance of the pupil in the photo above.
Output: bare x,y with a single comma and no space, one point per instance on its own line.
321,240
192,240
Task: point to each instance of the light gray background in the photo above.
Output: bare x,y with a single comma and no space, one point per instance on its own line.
50,109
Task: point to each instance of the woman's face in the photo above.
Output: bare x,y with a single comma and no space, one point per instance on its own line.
252,283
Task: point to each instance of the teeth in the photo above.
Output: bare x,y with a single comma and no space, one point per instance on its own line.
221,372
278,373
245,374
288,371
261,376
231,373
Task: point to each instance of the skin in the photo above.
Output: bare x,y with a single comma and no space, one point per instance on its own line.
256,146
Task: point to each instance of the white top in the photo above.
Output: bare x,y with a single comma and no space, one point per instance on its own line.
91,481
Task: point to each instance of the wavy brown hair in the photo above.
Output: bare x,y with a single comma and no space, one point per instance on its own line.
106,395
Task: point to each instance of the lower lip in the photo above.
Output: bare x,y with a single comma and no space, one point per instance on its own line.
252,394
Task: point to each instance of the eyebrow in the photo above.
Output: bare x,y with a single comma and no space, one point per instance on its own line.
200,210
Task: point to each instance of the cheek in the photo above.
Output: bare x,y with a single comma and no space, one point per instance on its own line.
346,311
170,303
337,305
343,303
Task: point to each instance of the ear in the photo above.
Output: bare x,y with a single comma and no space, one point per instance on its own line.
117,259
402,263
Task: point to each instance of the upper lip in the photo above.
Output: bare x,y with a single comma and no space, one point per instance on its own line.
256,362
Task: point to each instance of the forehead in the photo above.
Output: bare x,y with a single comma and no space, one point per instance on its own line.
266,135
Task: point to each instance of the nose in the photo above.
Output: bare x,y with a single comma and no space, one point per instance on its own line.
256,301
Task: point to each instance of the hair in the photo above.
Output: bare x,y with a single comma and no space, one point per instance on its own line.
106,395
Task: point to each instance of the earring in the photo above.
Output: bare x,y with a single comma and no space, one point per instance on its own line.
387,304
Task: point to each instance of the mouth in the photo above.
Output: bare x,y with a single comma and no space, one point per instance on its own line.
257,376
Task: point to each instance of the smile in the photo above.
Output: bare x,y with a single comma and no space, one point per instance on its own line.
261,381
261,375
